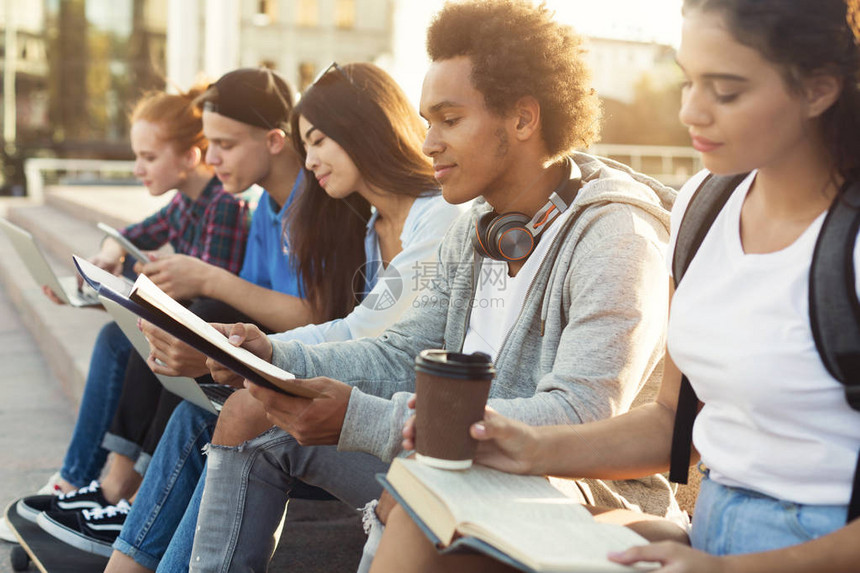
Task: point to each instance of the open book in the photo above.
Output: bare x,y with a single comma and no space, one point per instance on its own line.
151,303
521,520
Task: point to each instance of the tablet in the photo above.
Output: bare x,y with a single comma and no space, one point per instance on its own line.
126,244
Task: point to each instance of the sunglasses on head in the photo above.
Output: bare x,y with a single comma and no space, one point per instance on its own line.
331,67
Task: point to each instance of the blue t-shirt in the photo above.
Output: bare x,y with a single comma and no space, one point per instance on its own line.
267,261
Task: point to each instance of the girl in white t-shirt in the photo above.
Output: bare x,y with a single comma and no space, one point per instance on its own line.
772,89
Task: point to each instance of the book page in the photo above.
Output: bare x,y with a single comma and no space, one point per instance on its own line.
526,517
148,291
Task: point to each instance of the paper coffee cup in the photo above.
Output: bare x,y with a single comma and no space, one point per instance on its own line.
452,390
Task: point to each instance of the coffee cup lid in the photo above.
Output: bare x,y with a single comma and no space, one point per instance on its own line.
475,366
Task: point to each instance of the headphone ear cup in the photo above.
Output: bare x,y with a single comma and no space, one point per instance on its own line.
479,237
508,239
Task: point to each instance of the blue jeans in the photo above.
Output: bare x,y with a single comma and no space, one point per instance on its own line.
247,488
85,457
178,553
730,520
167,488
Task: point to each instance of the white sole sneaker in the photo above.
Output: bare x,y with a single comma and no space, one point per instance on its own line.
73,538
26,511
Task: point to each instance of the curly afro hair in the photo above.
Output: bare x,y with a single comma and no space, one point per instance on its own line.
518,50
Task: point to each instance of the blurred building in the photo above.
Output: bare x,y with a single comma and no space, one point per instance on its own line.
29,61
103,55
618,65
295,37
79,65
24,88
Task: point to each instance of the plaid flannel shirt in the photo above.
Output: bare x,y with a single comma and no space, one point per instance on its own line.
213,227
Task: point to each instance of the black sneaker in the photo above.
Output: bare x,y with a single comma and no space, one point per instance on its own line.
88,497
93,531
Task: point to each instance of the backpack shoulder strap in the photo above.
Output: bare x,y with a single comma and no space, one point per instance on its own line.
705,204
834,311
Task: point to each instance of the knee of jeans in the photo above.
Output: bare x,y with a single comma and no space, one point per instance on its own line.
253,443
369,519
189,417
242,418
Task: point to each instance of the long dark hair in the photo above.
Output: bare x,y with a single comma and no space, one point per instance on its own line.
806,37
361,108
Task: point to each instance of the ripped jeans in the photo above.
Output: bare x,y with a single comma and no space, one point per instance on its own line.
247,488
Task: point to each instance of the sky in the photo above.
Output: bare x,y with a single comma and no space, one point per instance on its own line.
643,20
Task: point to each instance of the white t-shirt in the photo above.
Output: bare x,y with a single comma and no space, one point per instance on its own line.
499,298
774,420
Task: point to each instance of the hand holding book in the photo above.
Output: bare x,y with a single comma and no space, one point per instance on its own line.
247,336
169,356
149,302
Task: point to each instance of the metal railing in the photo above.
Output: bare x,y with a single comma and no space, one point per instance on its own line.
35,170
671,165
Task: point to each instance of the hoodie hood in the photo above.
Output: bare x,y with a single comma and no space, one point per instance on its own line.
605,180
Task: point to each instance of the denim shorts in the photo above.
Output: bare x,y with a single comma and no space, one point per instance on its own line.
731,520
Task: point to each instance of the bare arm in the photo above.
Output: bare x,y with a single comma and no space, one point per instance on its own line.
274,310
631,445
627,446
837,552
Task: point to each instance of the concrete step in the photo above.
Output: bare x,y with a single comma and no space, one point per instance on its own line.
35,416
116,206
59,234
65,335
318,536
63,226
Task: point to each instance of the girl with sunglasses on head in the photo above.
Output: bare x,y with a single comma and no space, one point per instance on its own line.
771,90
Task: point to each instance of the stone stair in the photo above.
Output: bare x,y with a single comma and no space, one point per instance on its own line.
65,225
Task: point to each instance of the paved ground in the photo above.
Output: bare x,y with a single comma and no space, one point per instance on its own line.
36,420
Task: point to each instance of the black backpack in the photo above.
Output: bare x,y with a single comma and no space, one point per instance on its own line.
834,311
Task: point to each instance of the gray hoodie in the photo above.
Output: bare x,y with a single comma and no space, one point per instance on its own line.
589,336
